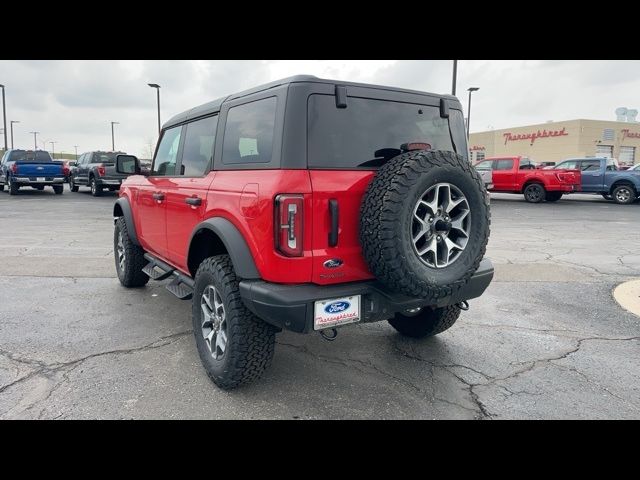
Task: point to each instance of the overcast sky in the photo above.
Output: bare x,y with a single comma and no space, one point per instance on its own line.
73,102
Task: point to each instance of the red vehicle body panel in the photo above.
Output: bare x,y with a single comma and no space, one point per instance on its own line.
515,180
246,199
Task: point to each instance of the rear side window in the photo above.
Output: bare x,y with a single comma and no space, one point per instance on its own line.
484,165
165,161
198,146
504,164
590,165
248,135
369,132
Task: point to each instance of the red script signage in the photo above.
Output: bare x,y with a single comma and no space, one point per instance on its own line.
626,133
510,137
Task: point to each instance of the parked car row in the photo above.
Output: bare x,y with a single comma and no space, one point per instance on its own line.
597,175
36,169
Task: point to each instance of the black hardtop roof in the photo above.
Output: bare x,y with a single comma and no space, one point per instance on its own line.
214,106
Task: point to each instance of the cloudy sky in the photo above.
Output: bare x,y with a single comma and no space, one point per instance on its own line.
73,102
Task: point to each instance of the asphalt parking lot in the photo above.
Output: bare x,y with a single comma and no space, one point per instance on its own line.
547,340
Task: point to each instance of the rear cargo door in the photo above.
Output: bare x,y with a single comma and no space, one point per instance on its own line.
345,147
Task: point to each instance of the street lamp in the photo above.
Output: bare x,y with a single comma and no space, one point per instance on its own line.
470,89
76,147
157,87
53,154
12,122
35,140
4,117
113,142
455,75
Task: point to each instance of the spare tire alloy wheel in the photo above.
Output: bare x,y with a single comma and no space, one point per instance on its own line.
214,325
441,225
424,223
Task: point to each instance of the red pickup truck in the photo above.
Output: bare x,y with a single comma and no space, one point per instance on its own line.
518,174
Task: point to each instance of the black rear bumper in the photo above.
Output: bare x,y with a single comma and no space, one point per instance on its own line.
291,307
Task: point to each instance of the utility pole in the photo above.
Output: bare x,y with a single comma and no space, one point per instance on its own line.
113,142
35,140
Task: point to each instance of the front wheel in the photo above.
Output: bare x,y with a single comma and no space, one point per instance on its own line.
235,346
72,185
624,195
553,196
129,257
534,193
427,322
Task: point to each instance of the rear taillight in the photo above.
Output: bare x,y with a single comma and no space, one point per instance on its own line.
65,170
14,168
101,171
288,226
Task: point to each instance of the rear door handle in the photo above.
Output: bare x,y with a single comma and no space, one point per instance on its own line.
195,201
158,196
333,215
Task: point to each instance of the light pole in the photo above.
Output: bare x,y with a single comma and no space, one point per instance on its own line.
455,76
35,140
12,122
157,87
76,147
4,117
53,154
470,89
113,142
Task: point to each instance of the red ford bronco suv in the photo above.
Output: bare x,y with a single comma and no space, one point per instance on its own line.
307,204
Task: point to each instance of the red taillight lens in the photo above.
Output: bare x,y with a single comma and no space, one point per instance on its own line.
288,226
65,170
14,168
101,170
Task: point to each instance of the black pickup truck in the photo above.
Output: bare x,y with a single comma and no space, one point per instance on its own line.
97,171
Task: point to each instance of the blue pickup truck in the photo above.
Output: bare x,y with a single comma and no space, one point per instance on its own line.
29,168
601,176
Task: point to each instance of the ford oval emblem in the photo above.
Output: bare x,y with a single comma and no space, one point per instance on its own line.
337,307
39,168
333,263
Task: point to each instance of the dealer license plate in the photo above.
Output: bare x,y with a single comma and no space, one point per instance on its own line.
41,179
336,311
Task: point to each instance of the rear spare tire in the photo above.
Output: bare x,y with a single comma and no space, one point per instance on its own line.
424,223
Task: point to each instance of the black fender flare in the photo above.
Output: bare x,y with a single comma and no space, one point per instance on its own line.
123,204
235,244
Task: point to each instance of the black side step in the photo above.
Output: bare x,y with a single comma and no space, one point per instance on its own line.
150,268
181,286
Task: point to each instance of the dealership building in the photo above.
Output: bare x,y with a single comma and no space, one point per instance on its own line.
555,141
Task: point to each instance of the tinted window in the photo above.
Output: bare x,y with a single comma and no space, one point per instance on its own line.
105,157
503,164
29,155
525,164
484,165
369,132
248,135
165,161
570,165
198,146
590,165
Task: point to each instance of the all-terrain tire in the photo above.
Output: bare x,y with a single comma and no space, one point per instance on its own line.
58,189
427,323
386,223
553,196
250,341
131,275
2,187
534,193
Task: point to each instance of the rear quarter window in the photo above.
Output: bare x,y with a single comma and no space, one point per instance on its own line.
369,132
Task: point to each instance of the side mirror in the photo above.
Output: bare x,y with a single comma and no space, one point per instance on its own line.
127,164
